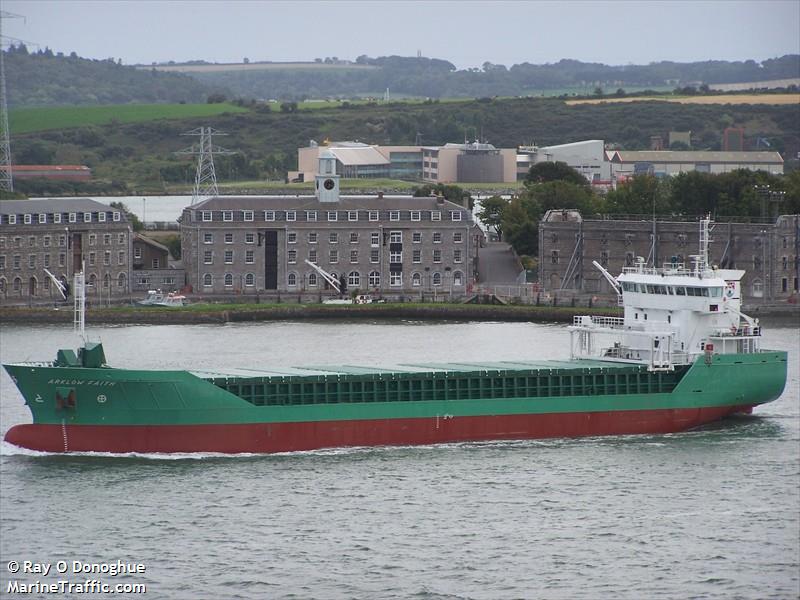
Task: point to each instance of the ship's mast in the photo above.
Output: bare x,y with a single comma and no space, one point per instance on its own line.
79,305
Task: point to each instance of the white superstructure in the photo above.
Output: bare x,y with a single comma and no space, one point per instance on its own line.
672,315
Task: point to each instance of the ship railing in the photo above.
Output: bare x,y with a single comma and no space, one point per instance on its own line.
598,322
665,269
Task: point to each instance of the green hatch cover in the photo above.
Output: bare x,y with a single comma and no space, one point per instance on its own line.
67,358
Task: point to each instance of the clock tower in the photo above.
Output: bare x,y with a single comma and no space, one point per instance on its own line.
327,188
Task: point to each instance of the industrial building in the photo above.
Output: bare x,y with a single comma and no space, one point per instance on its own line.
626,163
452,163
587,157
386,245
768,251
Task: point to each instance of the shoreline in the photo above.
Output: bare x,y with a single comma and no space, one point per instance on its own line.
228,313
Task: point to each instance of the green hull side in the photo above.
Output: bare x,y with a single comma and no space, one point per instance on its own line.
109,396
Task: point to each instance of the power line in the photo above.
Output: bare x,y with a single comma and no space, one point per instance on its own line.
205,179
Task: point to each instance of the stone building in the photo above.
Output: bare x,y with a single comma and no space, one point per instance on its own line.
60,235
386,245
767,251
153,267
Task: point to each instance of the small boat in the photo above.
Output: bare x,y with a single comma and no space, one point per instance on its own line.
158,298
360,299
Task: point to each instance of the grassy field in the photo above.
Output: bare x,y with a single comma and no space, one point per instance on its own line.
26,120
720,99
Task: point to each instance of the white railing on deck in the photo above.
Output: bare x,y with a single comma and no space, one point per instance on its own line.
599,322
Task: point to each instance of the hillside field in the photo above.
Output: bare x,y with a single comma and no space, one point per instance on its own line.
28,120
720,99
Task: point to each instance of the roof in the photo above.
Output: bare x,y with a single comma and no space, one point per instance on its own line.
150,242
366,155
51,205
363,202
690,156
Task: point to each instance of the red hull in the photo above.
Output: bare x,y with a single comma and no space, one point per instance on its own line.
289,437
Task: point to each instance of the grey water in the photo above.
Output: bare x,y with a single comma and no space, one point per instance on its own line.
710,513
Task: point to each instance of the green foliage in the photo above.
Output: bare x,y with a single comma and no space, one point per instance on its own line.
491,213
134,220
453,193
637,195
553,171
173,242
42,79
25,120
520,224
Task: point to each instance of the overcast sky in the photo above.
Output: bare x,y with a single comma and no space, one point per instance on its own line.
467,33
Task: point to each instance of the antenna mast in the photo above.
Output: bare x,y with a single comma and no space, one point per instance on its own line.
205,179
79,304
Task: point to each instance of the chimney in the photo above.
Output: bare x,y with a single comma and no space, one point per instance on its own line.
439,199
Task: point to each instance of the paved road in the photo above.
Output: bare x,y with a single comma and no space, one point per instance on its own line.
497,264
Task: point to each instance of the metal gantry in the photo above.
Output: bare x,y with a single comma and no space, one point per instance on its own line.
205,179
6,176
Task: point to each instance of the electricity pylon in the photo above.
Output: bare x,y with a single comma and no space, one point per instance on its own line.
205,179
6,176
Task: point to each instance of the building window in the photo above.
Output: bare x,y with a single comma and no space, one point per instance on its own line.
554,257
436,215
416,256
352,215
785,263
416,280
395,257
106,239
458,237
62,259
394,215
312,256
249,238
373,215
208,238
437,237
120,239
311,215
291,215
57,218
92,239
396,237
92,259
437,256
333,237
122,281
228,238
333,215
156,263
208,280
227,216
353,256
106,257
374,239
208,257
137,252
458,279
312,280
2,261
27,219
604,258
269,215
46,243
73,218
249,257
291,237
87,217
117,216
416,215
416,237
228,280
334,257
12,219
437,279
16,262
228,257
249,280
32,241
354,279
456,256
42,218
291,256
396,279
206,216
312,237
291,280
353,237
784,284
374,279
455,215
17,285
373,256
101,217
121,257
247,215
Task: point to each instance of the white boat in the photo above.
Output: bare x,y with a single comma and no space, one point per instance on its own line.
159,298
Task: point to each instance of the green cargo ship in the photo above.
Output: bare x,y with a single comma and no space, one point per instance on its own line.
683,355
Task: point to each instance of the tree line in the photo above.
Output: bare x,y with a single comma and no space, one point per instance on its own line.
548,186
